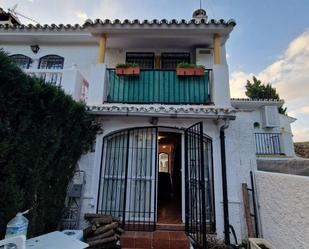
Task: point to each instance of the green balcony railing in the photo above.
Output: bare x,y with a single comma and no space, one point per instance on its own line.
158,86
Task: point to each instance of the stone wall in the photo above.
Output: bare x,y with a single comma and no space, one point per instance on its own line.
284,209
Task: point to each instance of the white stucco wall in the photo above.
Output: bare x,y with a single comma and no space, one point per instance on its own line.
287,135
241,159
284,209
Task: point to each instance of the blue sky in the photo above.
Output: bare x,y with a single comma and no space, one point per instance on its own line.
271,39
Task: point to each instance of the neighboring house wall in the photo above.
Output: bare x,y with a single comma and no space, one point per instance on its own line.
284,201
287,135
284,128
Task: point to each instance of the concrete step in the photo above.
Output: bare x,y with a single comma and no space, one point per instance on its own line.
155,240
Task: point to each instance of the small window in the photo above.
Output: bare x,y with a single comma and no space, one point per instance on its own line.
256,125
171,60
51,62
144,60
22,61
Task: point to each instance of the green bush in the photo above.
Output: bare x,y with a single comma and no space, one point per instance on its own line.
43,133
188,65
127,65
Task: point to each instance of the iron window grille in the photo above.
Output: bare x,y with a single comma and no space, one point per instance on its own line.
171,60
22,61
51,62
144,60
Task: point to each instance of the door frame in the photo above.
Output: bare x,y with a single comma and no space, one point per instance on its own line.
182,168
159,128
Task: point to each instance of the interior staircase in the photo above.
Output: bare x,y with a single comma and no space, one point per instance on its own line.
165,237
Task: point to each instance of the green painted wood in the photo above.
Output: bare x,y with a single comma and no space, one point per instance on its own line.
157,86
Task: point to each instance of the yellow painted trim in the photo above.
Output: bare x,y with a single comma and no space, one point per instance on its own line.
102,49
217,49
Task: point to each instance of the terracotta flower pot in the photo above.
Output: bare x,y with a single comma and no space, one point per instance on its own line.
128,71
190,71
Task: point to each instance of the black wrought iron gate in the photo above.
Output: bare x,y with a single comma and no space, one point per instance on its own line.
128,178
198,189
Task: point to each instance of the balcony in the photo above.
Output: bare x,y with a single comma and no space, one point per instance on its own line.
158,87
52,76
70,80
268,144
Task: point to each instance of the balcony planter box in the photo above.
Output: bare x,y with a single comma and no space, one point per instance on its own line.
258,243
190,71
127,71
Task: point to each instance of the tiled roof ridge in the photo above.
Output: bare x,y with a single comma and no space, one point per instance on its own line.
89,23
259,100
42,27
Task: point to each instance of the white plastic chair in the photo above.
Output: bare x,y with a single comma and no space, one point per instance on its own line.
19,241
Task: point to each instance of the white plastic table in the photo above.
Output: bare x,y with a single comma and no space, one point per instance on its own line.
55,240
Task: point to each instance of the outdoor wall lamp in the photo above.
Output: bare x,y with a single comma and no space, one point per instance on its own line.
35,48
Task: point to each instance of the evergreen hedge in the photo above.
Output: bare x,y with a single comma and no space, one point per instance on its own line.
43,133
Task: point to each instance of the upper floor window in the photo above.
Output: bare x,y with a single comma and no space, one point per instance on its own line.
51,62
144,60
21,60
171,60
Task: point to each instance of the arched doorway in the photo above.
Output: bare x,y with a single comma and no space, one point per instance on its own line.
129,179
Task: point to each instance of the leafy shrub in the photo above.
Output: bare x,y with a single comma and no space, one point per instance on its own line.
189,65
43,133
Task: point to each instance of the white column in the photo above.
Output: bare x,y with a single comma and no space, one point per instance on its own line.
96,92
220,88
70,80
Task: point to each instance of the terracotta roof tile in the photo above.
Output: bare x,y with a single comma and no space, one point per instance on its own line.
96,22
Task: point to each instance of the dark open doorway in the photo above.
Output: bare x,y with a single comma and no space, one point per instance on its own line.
169,178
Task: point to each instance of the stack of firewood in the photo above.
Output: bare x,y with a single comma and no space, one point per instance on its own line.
102,230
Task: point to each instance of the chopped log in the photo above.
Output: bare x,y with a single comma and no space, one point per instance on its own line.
91,216
105,228
102,241
99,221
102,236
94,228
87,232
119,230
116,219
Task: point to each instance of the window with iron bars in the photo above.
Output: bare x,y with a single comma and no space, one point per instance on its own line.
144,60
51,62
22,61
171,60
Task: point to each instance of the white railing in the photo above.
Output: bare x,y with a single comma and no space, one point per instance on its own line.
52,76
70,80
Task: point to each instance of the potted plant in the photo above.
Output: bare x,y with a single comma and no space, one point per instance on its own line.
259,243
187,69
128,69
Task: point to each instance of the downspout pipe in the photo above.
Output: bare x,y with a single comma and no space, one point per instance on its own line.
224,184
